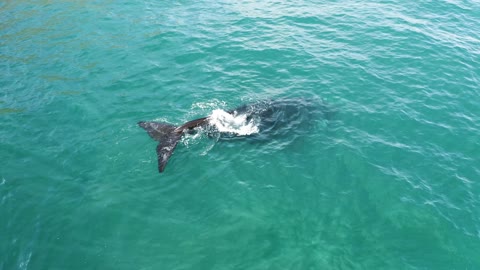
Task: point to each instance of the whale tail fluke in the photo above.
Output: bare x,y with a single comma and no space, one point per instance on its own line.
168,137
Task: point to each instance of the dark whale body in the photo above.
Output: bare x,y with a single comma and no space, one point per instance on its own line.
274,118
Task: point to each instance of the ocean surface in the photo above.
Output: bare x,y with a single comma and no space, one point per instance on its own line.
389,180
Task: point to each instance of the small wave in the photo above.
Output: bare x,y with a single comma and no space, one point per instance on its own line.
237,124
214,103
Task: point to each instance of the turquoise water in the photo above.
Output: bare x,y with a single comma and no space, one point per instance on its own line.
390,182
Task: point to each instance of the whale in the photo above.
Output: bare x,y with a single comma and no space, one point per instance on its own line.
263,120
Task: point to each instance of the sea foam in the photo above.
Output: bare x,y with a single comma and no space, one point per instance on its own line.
233,123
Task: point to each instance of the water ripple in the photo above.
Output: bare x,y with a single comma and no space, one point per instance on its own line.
394,172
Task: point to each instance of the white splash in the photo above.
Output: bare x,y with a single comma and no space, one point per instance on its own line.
233,123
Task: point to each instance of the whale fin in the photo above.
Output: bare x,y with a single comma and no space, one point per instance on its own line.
165,149
167,135
157,130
